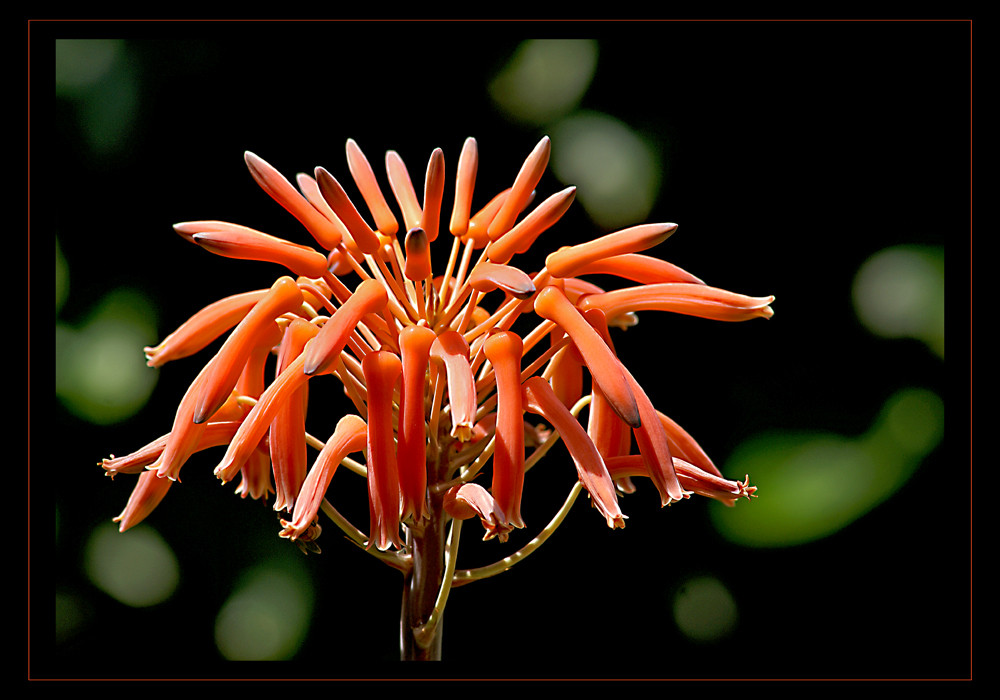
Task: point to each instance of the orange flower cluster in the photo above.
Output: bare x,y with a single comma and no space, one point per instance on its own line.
441,382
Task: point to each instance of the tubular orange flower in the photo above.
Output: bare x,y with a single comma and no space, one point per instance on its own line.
638,268
504,352
201,329
228,363
146,495
414,348
471,500
552,304
682,298
692,479
566,261
520,238
350,435
274,183
539,398
440,373
520,193
288,429
381,370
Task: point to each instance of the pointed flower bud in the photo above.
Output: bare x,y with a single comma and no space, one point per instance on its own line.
364,178
282,191
566,261
465,182
243,243
524,184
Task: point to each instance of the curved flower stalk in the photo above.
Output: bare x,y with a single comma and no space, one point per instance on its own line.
443,386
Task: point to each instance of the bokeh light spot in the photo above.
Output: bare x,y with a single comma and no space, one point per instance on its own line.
811,485
545,79
704,609
899,292
267,617
137,567
101,374
617,174
82,63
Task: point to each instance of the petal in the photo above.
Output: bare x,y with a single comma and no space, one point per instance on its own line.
227,364
381,370
527,178
364,178
470,500
430,218
244,243
605,368
202,328
364,238
350,435
465,181
451,349
566,261
282,191
369,297
504,350
683,298
538,398
414,347
520,238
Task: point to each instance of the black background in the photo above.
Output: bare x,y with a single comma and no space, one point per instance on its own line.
794,151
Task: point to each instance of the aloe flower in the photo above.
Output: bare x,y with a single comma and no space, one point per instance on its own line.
461,380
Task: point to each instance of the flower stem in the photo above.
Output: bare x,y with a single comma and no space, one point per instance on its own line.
426,542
